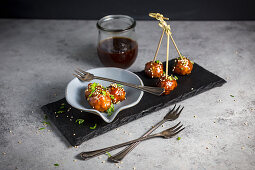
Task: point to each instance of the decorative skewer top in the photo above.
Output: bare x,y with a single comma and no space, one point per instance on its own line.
158,16
165,26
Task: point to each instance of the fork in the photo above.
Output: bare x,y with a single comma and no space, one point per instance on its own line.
86,76
168,133
170,116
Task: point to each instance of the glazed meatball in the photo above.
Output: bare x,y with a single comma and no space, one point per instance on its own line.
183,66
100,102
117,93
93,90
154,69
169,83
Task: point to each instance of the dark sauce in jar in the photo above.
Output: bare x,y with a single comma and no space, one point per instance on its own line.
117,52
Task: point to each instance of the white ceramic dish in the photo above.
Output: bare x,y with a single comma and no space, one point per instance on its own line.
75,95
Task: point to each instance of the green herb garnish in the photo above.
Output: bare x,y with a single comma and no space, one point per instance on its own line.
181,68
232,95
94,127
63,104
41,128
192,62
109,155
110,110
62,107
176,78
44,122
45,117
60,111
179,138
104,93
111,96
119,85
56,164
91,93
157,61
164,72
80,121
93,86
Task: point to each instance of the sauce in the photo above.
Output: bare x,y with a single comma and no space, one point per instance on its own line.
117,52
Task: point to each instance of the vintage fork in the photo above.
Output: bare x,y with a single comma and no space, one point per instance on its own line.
170,116
168,133
86,76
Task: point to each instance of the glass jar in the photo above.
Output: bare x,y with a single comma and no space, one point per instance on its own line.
117,45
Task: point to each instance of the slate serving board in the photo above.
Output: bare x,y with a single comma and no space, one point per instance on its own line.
200,80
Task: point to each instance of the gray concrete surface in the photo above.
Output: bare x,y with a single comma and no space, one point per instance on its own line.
37,58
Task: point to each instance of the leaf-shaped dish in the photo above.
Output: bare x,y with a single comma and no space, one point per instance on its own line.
75,91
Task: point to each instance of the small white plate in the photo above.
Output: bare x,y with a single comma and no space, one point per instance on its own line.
75,91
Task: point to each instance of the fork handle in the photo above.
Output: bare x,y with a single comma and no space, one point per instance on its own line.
119,156
153,90
91,154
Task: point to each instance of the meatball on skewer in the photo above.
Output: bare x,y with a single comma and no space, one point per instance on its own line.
183,66
154,69
169,83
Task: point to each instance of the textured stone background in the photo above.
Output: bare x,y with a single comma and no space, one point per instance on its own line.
37,58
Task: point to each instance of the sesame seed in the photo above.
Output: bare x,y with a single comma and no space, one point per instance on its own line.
3,153
103,161
74,134
134,168
74,160
19,142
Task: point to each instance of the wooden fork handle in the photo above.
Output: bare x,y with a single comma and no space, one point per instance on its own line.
153,90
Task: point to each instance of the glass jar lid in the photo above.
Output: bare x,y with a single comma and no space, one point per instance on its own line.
116,23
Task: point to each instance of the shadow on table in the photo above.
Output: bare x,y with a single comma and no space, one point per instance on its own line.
87,54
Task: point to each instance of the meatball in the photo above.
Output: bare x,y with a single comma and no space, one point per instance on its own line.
183,66
93,89
169,83
117,93
154,69
100,102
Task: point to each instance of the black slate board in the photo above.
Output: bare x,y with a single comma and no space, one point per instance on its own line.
199,81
